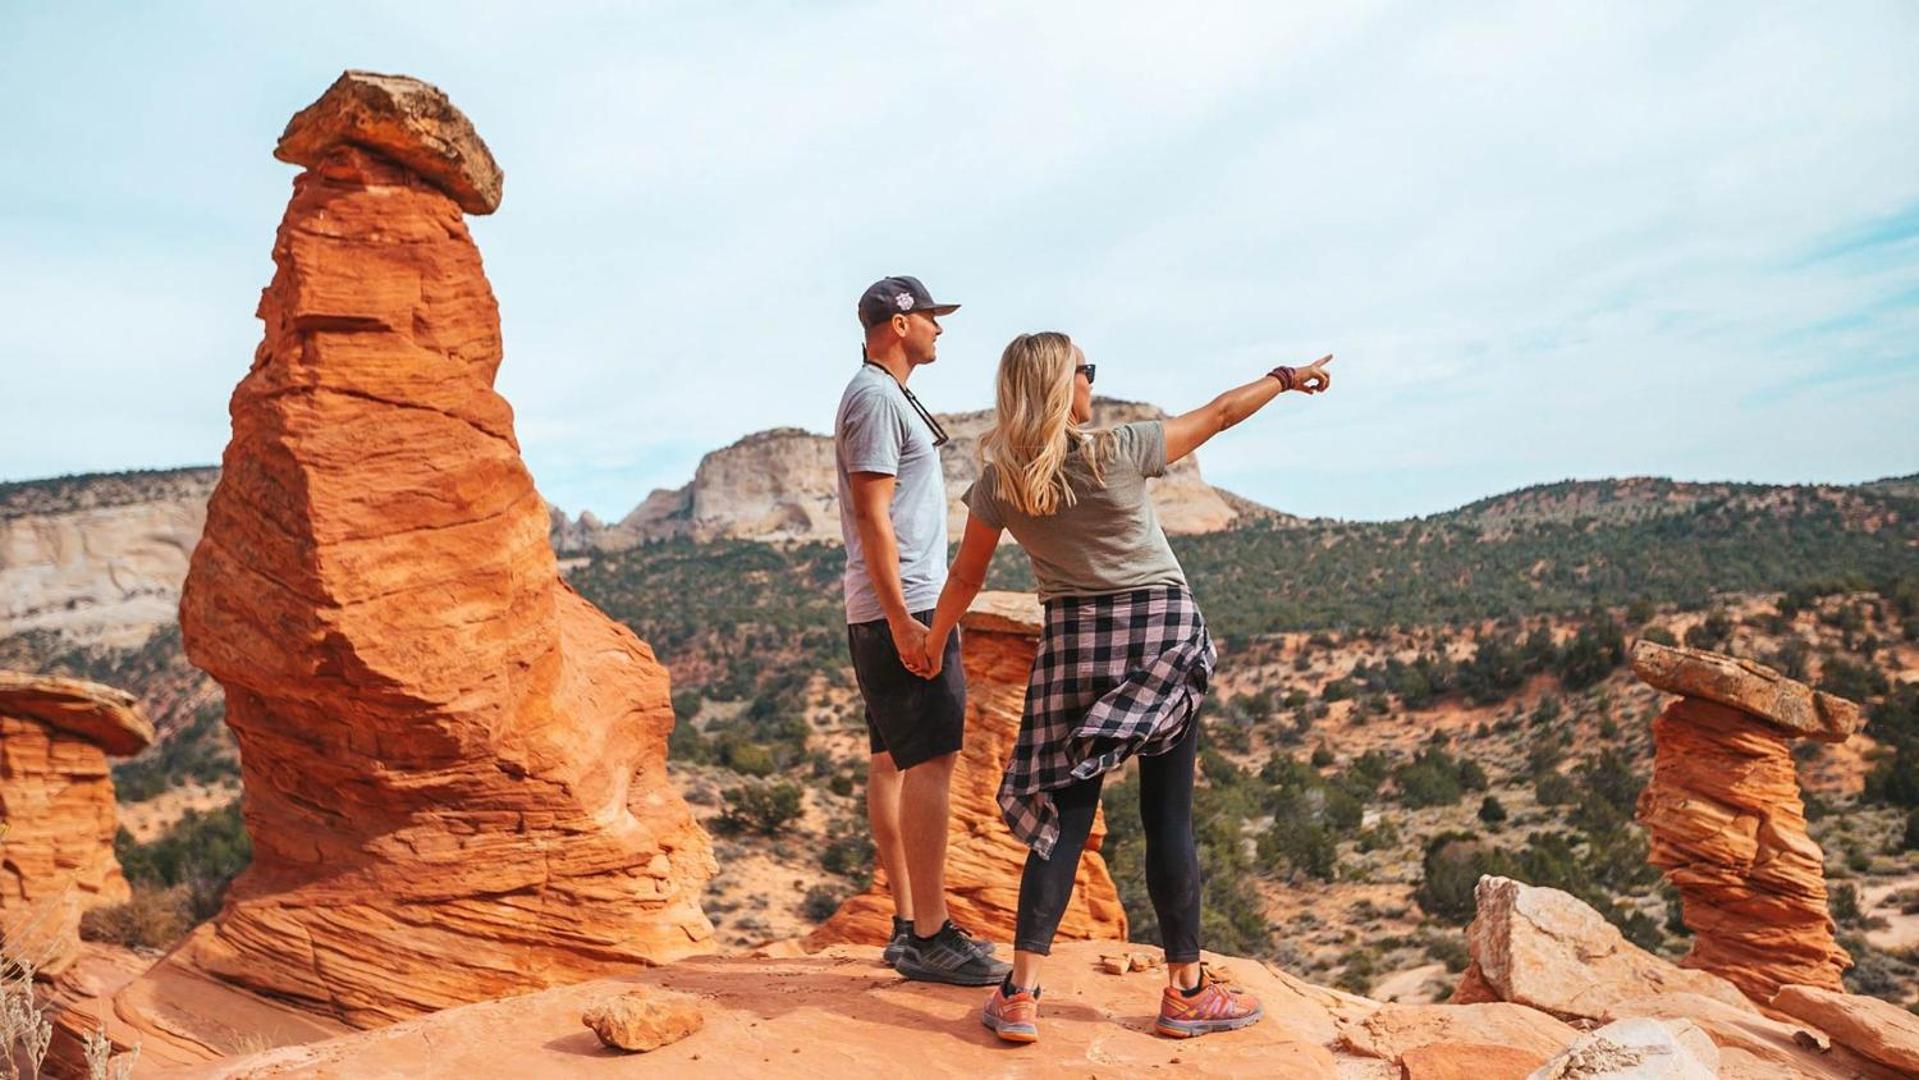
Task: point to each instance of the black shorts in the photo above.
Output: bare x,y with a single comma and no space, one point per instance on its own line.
913,719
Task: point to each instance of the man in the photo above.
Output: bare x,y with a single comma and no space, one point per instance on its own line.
893,520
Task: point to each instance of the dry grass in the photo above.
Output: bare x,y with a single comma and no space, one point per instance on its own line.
155,918
25,1030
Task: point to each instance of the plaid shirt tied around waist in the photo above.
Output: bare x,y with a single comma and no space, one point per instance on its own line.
1115,676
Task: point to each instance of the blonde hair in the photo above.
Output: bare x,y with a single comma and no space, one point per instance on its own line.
1033,433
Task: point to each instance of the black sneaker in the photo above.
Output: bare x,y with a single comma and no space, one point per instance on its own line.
896,946
950,957
903,937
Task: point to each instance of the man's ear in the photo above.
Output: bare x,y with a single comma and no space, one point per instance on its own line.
900,324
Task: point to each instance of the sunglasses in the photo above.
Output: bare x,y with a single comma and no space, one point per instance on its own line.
940,437
1086,370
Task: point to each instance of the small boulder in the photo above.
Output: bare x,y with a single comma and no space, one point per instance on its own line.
1395,1031
1546,949
1637,1050
645,1019
1751,688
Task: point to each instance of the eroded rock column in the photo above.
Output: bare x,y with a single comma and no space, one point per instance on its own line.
454,766
57,816
999,637
1726,819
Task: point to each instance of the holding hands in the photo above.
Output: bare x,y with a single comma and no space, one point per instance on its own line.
909,637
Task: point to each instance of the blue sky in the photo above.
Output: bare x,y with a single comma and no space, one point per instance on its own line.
1544,240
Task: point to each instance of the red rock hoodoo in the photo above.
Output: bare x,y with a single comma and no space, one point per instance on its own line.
57,808
1726,821
999,637
455,767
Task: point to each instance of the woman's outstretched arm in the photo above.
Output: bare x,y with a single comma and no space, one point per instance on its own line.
963,583
1186,432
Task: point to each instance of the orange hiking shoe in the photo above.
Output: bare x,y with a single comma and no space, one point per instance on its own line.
1015,1018
1216,1007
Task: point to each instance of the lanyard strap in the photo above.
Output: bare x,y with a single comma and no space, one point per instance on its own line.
939,433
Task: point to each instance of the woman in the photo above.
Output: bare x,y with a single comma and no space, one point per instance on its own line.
1123,664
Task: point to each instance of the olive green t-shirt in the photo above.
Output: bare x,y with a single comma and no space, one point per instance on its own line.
1109,540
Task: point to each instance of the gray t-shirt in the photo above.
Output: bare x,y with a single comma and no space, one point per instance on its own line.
876,431
1109,540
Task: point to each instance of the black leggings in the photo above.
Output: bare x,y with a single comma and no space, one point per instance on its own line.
1172,862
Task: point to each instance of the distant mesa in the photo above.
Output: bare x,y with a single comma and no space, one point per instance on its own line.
57,808
780,485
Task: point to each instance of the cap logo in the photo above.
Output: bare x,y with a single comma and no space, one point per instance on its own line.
903,301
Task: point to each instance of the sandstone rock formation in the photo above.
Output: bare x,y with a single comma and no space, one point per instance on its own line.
1726,821
1869,1027
999,636
57,809
779,485
1544,949
99,561
454,766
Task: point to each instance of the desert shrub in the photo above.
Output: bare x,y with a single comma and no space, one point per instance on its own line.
1449,871
155,918
1844,905
1712,633
200,853
1434,778
1658,635
195,753
848,854
1855,682
820,903
763,808
1555,789
1448,949
1491,810
745,757
1909,840
1592,654
1305,847
1356,976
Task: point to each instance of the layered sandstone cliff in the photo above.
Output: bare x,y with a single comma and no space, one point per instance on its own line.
99,560
999,637
1727,824
454,766
57,809
780,485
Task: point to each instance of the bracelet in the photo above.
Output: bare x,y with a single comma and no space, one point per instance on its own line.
1287,377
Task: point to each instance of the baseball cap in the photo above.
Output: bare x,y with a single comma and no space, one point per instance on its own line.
897,295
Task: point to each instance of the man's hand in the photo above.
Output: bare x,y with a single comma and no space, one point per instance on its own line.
909,637
1314,378
934,658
